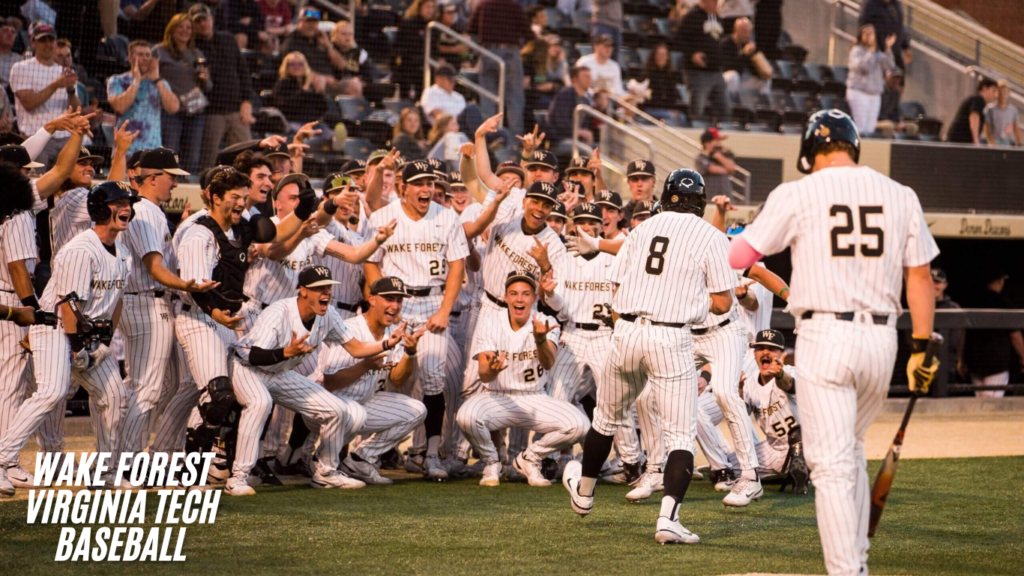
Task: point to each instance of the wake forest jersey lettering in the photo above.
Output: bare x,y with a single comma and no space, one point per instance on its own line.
85,266
524,372
419,251
585,289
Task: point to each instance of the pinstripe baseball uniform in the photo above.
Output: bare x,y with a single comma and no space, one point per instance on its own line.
709,437
852,231
516,399
68,217
258,387
146,322
98,277
349,293
776,414
389,416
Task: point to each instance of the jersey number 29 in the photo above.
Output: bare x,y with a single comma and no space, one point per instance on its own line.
655,264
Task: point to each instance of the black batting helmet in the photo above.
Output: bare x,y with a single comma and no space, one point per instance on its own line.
103,194
684,192
824,127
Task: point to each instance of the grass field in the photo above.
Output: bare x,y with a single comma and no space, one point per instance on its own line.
955,517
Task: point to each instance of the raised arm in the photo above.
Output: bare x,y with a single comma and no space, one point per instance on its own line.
467,169
375,187
122,143
50,182
477,227
483,159
359,254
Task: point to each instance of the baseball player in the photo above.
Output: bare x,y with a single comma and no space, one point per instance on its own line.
264,371
89,275
348,292
855,234
557,219
640,176
389,416
641,211
515,355
259,170
428,252
69,215
675,252
587,171
610,203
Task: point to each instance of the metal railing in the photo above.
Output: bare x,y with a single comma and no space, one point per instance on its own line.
676,141
582,110
349,14
499,98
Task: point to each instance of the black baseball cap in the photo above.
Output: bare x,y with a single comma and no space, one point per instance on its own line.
542,158
577,187
199,11
511,166
771,338
438,167
608,198
579,164
135,157
455,180
84,155
445,70
442,182
159,159
206,176
388,286
315,277
354,166
939,275
543,191
417,170
559,211
643,208
520,276
640,167
17,155
587,211
41,30
279,150
376,157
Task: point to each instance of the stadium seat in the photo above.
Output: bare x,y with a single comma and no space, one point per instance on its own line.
664,26
794,53
581,20
677,60
557,19
792,129
628,58
584,49
732,126
930,128
828,102
643,54
809,79
358,148
353,108
911,110
397,106
762,128
637,23
377,132
835,80
782,77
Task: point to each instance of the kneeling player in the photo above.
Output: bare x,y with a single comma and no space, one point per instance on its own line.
514,367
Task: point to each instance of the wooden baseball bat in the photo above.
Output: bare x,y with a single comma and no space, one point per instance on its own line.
887,473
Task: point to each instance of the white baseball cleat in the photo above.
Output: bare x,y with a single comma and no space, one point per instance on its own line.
433,469
531,470
672,532
492,475
743,491
364,471
697,475
334,479
111,483
239,487
20,477
581,505
6,488
649,483
723,480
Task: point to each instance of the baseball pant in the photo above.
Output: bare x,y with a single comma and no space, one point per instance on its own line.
561,423
724,347
999,379
390,417
709,437
170,429
844,369
770,461
17,382
148,329
257,390
432,350
280,426
51,350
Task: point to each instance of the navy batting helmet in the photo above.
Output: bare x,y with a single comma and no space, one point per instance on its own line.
824,127
684,192
103,194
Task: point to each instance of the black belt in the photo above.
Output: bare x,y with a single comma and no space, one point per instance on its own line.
418,292
500,303
155,293
702,331
634,318
9,291
186,307
349,307
264,306
880,319
589,327
455,314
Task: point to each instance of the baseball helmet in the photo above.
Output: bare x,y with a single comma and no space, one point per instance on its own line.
823,127
684,192
103,194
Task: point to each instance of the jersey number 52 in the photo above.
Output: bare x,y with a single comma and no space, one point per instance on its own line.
848,248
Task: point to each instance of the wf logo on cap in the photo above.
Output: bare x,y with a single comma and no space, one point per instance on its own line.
421,165
322,271
547,187
766,334
398,284
538,155
641,164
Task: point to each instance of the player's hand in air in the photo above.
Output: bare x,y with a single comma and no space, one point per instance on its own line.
272,141
396,336
532,141
582,243
776,366
502,193
541,329
539,252
204,286
298,346
468,150
595,164
226,319
723,204
489,126
385,232
548,283
496,362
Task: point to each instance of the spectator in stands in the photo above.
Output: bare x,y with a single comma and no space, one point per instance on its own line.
678,12
866,80
606,20
560,115
230,109
321,55
354,61
966,127
715,163
297,94
501,26
410,47
890,117
141,95
887,18
606,72
62,56
8,57
742,62
277,16
955,340
446,138
538,19
446,47
147,19
701,39
441,97
987,354
1002,123
408,135
43,90
545,71
662,79
184,68
245,20
732,10
768,16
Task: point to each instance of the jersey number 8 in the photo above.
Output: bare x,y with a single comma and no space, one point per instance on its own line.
530,376
655,264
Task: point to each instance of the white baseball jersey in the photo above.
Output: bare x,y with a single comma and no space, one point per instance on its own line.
667,267
274,328
68,217
584,288
760,319
524,372
852,231
147,232
473,286
17,242
774,410
348,292
198,253
171,260
419,251
508,249
335,358
268,281
84,266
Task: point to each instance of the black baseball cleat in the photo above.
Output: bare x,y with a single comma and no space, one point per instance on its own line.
798,472
391,460
262,471
633,472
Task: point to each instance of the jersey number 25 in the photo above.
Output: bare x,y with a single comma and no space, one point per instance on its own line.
866,231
